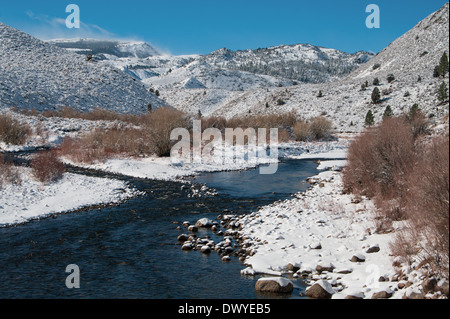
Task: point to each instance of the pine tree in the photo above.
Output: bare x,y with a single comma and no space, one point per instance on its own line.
443,65
414,110
390,78
376,81
157,93
443,92
149,108
388,112
320,94
370,119
376,96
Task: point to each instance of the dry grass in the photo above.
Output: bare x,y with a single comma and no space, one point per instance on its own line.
97,114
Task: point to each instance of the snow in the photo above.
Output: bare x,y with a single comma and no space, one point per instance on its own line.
39,75
282,282
325,216
33,200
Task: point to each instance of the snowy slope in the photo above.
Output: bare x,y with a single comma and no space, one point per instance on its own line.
345,103
118,49
35,74
300,62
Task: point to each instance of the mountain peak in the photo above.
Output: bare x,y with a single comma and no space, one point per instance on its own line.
117,48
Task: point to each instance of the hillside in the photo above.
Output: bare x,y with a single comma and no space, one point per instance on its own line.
414,54
36,74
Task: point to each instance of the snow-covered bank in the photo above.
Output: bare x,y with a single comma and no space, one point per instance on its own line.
234,158
330,239
32,200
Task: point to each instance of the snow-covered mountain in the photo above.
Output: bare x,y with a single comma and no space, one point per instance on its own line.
300,62
223,68
109,49
36,74
413,55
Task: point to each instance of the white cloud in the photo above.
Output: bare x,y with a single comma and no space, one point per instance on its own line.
46,28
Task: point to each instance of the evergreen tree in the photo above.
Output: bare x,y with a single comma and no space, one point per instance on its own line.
376,81
376,96
443,65
157,93
390,78
320,94
388,112
370,119
149,108
414,110
443,92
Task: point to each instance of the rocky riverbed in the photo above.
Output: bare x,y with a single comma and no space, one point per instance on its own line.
329,240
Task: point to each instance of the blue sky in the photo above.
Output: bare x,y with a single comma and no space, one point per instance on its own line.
201,26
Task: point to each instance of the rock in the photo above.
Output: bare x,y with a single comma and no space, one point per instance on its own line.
355,295
358,258
373,249
182,238
320,290
226,258
205,249
384,294
345,271
292,267
413,293
187,246
443,287
429,285
274,285
204,222
193,229
382,279
325,267
316,245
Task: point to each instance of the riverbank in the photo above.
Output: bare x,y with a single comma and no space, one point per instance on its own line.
331,240
31,200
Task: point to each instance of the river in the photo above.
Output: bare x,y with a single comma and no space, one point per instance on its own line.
131,250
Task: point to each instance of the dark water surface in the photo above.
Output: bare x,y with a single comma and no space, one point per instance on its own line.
131,250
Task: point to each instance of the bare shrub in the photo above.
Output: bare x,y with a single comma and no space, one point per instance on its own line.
12,131
46,167
428,201
99,145
320,127
380,159
158,126
302,131
408,178
8,174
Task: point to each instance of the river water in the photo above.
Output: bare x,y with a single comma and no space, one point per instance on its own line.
131,250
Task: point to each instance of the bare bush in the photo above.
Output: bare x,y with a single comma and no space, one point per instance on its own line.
8,174
46,167
428,201
320,127
302,131
158,126
12,131
408,178
380,159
